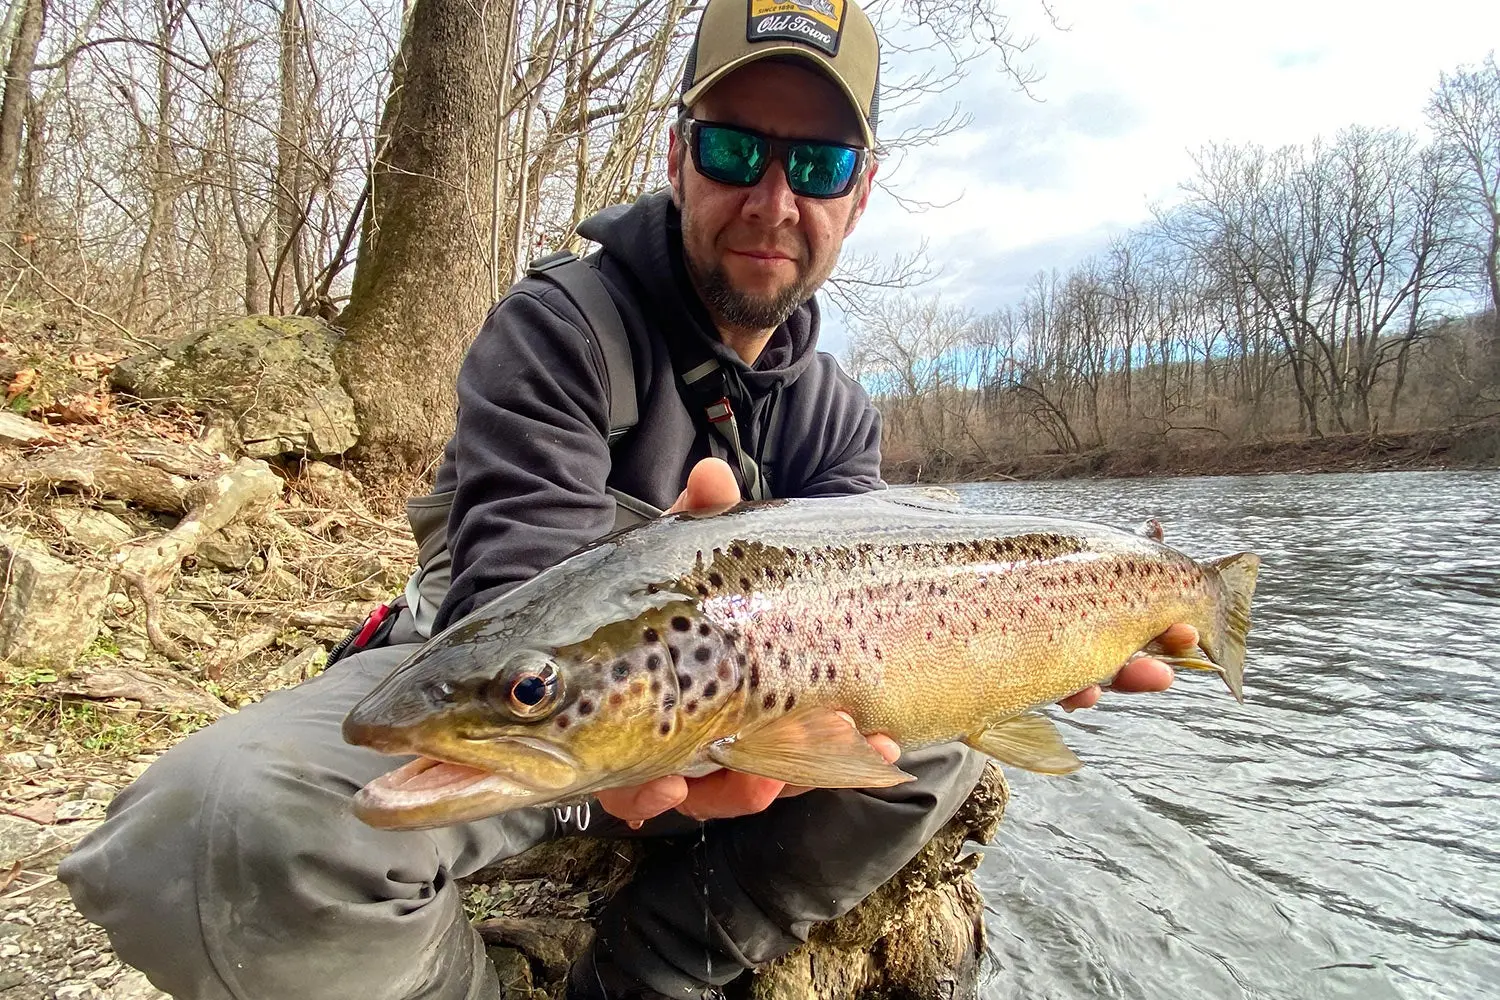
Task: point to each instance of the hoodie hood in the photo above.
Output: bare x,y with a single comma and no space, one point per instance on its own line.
645,239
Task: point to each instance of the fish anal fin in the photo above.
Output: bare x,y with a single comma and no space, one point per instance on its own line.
815,747
1030,742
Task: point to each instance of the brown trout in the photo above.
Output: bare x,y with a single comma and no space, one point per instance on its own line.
731,640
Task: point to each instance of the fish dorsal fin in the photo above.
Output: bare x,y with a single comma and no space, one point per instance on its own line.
814,747
1029,741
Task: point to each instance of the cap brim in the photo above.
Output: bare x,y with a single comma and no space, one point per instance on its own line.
700,88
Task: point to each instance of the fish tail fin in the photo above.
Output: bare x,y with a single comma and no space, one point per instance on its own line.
1226,645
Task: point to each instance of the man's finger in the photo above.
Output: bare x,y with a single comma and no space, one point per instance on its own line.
1087,698
1179,639
1144,673
638,803
711,485
727,794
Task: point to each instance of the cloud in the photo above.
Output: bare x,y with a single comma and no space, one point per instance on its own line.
1130,88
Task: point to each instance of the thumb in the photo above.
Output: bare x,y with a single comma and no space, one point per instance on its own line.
710,487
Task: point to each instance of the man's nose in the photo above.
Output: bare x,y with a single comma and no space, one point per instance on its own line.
771,201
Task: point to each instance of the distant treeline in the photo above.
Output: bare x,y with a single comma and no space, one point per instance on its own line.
1343,287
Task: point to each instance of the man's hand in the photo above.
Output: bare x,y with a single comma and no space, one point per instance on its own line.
1144,673
725,794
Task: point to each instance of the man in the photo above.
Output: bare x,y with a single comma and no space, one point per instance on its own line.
234,867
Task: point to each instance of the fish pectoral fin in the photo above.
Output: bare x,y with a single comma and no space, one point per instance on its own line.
814,747
1029,741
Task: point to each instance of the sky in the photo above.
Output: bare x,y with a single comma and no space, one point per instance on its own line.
1128,91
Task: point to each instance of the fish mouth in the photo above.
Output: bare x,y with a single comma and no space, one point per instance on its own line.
430,791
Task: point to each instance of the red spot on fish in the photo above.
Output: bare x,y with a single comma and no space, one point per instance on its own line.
563,722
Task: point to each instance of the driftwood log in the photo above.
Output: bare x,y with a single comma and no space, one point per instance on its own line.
918,937
101,473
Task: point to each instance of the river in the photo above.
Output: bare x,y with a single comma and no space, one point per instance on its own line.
1338,835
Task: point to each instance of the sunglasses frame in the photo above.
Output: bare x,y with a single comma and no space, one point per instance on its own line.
691,128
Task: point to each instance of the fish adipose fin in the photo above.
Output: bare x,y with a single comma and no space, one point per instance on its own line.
1029,741
813,747
1222,649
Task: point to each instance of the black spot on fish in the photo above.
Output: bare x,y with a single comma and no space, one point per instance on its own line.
585,707
704,629
832,673
787,626
665,728
929,635
791,700
675,653
848,619
754,676
702,590
814,673
837,643
653,662
786,661
737,550
563,722
681,624
717,579
768,702
691,707
650,635
703,654
744,583
710,689
621,670
684,682
669,702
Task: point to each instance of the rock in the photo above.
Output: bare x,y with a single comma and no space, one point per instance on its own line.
272,376
17,431
99,791
233,548
302,666
52,609
134,985
22,840
93,529
20,761
321,475
73,991
514,970
80,809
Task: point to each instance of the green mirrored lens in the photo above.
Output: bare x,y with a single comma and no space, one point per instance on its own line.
819,170
730,156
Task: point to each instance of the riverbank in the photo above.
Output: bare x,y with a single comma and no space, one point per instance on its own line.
1474,447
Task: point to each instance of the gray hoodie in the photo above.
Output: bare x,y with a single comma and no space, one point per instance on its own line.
529,461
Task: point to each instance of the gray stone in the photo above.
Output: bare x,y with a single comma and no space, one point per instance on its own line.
134,985
302,666
271,376
23,840
51,609
93,529
18,431
80,809
231,548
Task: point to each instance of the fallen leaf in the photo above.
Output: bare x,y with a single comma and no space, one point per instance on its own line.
24,380
44,812
83,408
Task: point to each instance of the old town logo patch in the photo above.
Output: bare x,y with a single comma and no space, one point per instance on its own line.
811,22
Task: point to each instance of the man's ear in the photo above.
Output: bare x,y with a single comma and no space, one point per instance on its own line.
866,186
675,156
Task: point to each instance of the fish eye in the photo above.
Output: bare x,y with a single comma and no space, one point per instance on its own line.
528,692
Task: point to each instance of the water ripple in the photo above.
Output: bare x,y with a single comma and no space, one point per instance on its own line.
1336,836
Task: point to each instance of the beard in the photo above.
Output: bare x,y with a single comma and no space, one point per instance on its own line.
738,309
743,311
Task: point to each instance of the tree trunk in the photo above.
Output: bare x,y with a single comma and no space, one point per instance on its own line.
918,937
421,285
14,103
290,135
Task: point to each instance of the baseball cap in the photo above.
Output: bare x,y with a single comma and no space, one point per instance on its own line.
834,35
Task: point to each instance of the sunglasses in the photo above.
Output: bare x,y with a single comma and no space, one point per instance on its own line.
740,157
